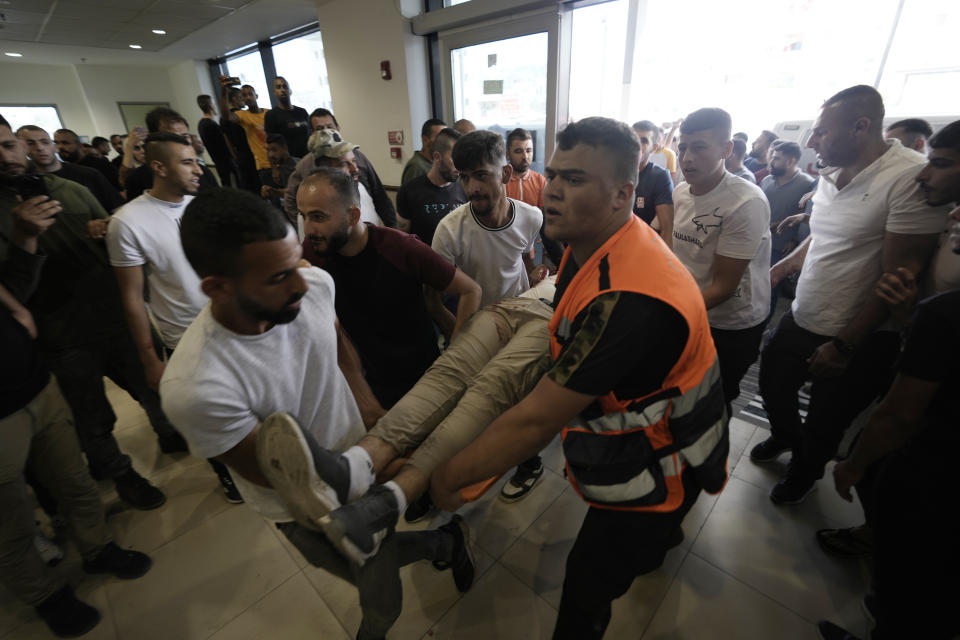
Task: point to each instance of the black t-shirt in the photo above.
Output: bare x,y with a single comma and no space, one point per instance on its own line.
216,144
293,124
380,304
141,179
622,342
932,353
22,371
425,204
654,187
106,169
108,197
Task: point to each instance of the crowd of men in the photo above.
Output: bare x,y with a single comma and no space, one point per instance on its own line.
342,361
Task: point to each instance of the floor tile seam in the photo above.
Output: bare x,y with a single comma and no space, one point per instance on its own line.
189,530
260,599
522,532
752,588
666,592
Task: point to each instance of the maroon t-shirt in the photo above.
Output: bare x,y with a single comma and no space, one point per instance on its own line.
380,304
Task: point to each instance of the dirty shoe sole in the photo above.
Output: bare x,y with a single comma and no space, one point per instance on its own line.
285,460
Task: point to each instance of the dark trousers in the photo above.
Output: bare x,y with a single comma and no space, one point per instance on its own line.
80,371
378,580
613,548
737,349
834,402
915,545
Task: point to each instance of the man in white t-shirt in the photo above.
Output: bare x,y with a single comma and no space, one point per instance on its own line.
268,347
721,234
491,238
871,218
143,241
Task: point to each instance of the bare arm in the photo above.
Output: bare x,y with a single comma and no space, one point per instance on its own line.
349,362
727,273
243,459
130,280
444,320
665,218
403,224
790,264
911,252
225,110
470,293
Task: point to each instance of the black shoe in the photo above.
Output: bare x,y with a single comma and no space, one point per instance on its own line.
461,564
792,490
419,508
768,450
357,529
137,491
830,631
173,443
67,616
521,484
123,563
230,492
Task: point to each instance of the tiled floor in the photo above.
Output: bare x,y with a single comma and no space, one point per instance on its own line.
747,568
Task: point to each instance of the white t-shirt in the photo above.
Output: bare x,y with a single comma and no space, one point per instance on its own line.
146,232
492,257
843,260
943,274
218,385
732,220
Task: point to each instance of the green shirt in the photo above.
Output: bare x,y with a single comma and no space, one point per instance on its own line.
77,301
416,166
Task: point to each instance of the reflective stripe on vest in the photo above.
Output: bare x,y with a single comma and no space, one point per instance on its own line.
632,456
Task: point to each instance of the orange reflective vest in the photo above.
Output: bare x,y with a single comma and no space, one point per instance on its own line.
631,456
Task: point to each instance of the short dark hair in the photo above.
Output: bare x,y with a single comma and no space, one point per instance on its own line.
117,135
478,148
947,138
613,135
162,115
320,112
430,124
739,148
205,102
913,125
862,100
741,135
279,78
218,223
343,184
445,140
250,86
787,148
708,118
518,134
31,127
646,125
4,123
276,138
98,140
769,135
69,132
153,145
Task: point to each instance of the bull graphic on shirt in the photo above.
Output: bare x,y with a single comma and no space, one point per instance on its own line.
707,221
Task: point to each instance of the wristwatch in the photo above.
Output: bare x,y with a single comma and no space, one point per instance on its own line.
846,348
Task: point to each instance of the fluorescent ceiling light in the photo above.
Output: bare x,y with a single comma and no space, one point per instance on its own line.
13,54
160,32
135,46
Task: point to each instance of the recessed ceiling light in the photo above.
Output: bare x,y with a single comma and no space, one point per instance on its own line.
14,54
160,32
135,46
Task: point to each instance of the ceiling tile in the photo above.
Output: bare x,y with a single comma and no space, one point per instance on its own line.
32,6
22,17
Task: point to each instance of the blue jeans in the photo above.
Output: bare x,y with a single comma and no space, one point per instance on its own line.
378,581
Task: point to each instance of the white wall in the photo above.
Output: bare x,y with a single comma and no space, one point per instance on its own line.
48,84
367,106
105,86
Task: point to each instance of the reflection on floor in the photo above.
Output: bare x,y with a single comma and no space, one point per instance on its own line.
747,568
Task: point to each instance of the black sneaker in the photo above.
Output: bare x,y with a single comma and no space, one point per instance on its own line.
462,557
792,490
419,508
311,480
123,563
768,450
830,631
67,616
358,528
137,491
522,483
173,443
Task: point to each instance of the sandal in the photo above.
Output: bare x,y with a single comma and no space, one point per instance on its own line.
843,543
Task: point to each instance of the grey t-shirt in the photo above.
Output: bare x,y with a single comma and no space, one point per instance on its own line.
784,201
219,385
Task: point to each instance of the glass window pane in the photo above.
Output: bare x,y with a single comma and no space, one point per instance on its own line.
249,68
45,117
503,85
301,62
596,60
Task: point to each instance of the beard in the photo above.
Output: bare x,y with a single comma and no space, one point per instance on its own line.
274,316
776,172
334,243
448,175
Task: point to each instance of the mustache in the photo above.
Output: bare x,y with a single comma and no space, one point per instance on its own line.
294,299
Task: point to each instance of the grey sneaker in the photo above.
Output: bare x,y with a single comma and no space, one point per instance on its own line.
311,481
357,529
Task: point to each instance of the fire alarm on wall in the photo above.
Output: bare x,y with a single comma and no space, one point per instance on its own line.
395,137
395,152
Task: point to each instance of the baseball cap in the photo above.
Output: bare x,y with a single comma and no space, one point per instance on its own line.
328,143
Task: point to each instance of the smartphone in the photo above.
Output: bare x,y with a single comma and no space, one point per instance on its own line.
31,186
234,81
